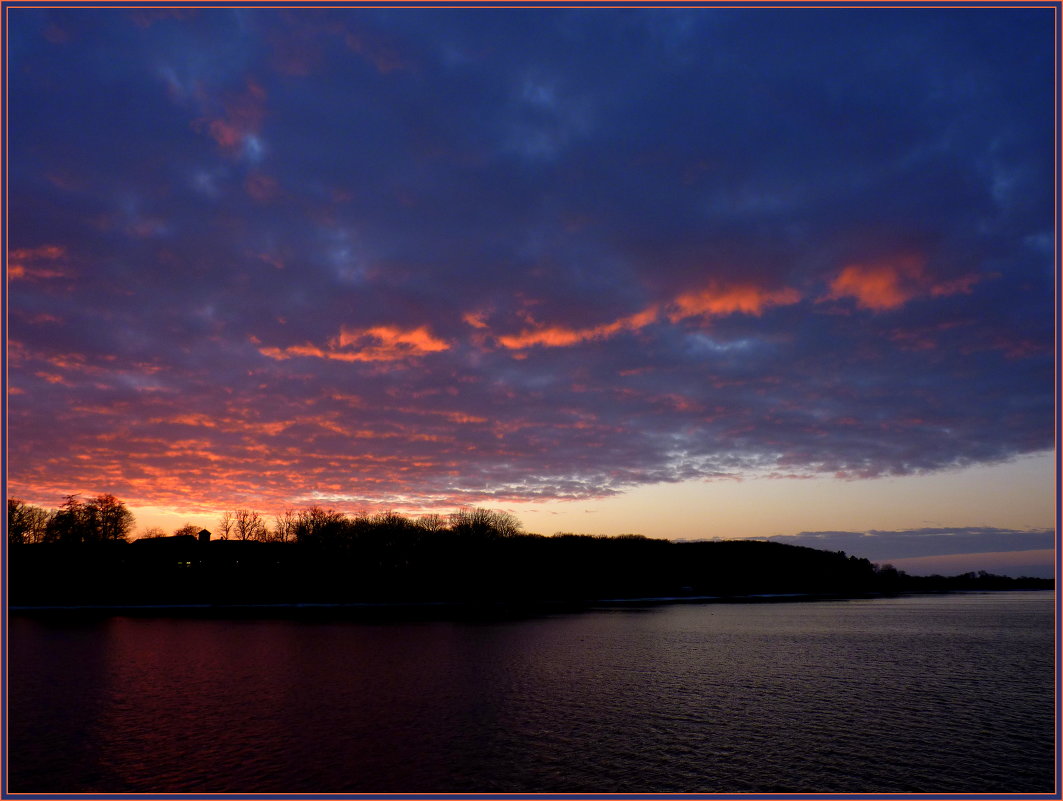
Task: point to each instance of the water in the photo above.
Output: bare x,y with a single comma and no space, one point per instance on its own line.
920,694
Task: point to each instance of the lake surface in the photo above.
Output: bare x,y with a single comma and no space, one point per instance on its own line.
949,693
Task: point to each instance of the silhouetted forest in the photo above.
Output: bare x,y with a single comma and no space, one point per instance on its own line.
81,554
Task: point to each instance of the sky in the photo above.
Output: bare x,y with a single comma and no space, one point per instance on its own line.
692,273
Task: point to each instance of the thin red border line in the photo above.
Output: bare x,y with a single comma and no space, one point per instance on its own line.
1056,391
751,5
3,456
1057,144
399,4
9,4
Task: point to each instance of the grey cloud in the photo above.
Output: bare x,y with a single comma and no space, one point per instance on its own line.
884,545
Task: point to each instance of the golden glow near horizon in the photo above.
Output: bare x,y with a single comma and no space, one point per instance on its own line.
1017,495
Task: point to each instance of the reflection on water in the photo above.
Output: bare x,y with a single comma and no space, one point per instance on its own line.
931,694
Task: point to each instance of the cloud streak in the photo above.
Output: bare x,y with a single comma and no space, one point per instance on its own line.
382,343
924,542
942,550
890,283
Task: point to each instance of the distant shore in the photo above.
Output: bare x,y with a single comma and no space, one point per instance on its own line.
453,609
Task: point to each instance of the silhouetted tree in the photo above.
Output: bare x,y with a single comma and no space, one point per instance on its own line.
392,521
248,525
225,526
26,523
432,522
108,520
319,525
151,533
484,523
888,578
187,530
70,524
284,526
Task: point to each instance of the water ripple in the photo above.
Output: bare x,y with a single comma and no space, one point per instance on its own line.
940,694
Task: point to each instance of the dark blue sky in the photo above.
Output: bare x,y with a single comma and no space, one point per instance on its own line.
429,257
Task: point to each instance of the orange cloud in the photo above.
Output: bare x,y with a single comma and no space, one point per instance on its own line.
382,343
560,336
714,300
52,378
419,340
37,262
453,417
475,319
187,419
240,423
890,283
879,285
294,350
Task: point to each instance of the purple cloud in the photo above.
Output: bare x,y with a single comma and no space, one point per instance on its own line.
436,257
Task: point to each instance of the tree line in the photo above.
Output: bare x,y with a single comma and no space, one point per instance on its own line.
102,518
328,526
82,554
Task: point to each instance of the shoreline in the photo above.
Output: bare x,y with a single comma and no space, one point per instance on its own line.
462,608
